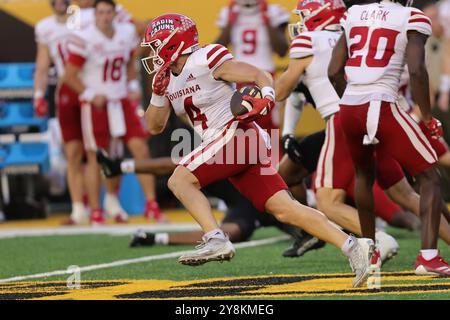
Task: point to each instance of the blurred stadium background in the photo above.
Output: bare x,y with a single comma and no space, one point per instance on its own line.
33,178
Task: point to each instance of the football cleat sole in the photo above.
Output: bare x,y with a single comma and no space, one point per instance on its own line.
194,262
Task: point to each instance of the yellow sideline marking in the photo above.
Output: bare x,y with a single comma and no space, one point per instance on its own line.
273,286
56,220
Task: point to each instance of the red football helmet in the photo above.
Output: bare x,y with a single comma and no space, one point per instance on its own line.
318,15
169,36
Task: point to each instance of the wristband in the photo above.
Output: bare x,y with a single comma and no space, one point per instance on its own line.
87,95
127,166
158,101
38,94
268,91
134,86
445,83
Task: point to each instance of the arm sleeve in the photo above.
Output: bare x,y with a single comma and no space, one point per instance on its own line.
419,22
301,47
293,112
216,54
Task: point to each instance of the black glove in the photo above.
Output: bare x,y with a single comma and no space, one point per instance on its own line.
292,148
110,168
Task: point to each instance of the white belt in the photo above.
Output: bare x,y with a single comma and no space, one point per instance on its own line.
373,117
116,118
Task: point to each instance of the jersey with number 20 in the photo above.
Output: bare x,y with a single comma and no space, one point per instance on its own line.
377,36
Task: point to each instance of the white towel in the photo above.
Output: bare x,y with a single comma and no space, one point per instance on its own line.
373,117
116,119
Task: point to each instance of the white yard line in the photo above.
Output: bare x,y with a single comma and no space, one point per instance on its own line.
248,244
110,230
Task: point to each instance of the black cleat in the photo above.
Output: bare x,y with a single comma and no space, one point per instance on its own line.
110,168
302,245
142,238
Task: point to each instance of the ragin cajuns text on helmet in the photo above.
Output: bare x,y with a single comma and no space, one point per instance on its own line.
168,36
317,15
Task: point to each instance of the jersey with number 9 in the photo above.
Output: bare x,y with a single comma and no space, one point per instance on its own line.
376,37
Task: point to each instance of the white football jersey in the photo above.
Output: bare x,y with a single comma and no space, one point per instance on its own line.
377,38
318,44
55,36
196,93
444,17
104,60
249,37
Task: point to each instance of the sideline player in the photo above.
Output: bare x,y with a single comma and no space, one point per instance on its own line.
101,70
371,118
198,81
256,30
52,36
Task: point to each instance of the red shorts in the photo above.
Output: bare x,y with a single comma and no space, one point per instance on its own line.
400,137
95,125
334,168
385,208
69,113
240,156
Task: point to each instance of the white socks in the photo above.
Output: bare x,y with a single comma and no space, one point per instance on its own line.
216,233
78,212
162,238
429,254
348,245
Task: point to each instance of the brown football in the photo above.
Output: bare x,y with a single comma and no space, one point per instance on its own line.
239,106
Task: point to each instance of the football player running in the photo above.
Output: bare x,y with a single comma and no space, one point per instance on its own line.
310,55
198,81
101,70
367,76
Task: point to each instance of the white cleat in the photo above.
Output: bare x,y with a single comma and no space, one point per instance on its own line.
113,209
360,260
387,245
213,249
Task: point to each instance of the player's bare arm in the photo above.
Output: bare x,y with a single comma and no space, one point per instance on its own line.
134,88
156,117
225,33
336,69
415,58
43,61
277,39
290,78
72,78
241,72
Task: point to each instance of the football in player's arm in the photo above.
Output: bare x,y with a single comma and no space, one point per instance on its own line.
230,71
